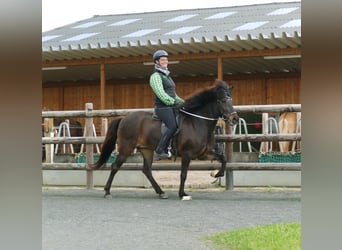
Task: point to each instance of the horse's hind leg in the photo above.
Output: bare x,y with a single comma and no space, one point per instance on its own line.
147,170
183,175
114,169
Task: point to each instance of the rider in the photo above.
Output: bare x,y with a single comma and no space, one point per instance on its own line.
166,98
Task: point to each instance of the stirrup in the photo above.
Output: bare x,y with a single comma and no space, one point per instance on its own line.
161,156
169,151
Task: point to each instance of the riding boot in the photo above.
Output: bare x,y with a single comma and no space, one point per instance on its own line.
160,150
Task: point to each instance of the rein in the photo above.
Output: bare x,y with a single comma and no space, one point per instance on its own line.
199,116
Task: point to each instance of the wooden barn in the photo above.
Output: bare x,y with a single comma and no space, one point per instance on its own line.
107,59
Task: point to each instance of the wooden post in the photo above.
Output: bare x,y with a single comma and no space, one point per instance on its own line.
103,87
104,126
229,154
219,68
264,145
297,130
89,147
48,131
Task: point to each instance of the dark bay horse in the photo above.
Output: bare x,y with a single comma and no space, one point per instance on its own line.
195,139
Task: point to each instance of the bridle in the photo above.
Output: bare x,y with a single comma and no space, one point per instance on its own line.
223,117
198,116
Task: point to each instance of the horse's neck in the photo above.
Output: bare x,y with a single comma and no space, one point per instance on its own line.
209,112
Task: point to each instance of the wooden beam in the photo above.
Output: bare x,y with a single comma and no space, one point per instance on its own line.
219,68
123,112
89,147
181,57
194,165
103,86
218,138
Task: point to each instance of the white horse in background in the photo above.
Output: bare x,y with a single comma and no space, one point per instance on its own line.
289,122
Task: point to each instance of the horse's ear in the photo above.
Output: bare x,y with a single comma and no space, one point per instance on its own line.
220,82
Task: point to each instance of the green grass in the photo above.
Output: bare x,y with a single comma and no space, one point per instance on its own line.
286,236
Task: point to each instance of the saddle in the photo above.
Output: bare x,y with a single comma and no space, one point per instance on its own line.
179,120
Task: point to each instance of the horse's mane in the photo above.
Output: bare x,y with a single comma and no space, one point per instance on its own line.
204,96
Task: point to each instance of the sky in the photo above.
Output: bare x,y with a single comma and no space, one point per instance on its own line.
57,13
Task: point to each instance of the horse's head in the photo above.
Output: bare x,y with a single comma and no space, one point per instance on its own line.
225,103
218,102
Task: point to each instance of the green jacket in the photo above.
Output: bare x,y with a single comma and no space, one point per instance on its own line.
164,90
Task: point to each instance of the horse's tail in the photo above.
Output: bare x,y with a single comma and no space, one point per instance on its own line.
109,143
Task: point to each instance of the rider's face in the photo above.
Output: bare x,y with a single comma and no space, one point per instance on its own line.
163,62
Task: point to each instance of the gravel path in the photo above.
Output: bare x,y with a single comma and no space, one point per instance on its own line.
82,219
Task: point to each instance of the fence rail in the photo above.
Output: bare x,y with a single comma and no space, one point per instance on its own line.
218,138
200,166
89,113
123,112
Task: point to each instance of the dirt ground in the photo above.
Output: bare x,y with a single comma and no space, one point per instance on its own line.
195,179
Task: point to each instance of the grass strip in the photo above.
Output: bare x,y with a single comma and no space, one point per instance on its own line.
284,236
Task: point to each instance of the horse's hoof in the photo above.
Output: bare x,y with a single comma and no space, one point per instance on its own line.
219,174
186,198
108,196
163,196
213,173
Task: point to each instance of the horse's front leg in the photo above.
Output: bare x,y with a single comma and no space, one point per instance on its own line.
184,172
223,160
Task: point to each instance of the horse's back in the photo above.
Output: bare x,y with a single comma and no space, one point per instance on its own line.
139,128
136,120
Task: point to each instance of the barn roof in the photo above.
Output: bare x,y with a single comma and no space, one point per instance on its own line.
263,27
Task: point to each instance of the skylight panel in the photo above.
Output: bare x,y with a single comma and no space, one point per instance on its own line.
125,22
282,11
183,30
47,38
80,37
88,24
250,26
221,15
292,24
181,18
141,33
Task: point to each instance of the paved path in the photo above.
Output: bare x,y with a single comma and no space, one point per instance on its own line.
82,219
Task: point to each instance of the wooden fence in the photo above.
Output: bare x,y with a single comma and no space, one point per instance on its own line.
89,140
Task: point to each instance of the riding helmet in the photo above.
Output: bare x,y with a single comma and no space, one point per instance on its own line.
158,54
